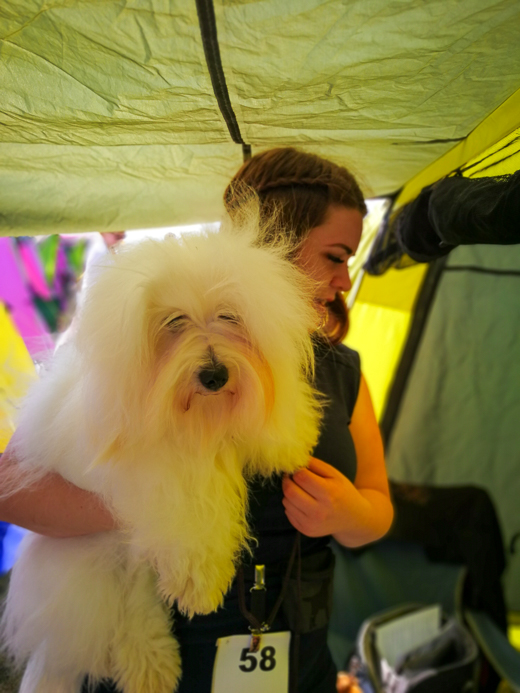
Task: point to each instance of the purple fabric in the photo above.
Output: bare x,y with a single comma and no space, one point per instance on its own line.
62,275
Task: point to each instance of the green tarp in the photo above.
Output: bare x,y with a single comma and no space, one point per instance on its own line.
459,417
108,119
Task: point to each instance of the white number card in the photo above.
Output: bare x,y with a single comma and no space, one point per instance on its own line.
237,669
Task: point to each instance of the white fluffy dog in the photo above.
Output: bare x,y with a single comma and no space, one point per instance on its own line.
188,372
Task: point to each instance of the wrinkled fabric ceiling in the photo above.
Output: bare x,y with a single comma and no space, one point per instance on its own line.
109,119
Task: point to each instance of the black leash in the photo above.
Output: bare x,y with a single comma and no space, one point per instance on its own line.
255,617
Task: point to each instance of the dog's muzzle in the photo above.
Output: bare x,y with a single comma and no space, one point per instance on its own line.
214,377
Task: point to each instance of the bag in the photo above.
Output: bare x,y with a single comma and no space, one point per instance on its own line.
448,662
307,605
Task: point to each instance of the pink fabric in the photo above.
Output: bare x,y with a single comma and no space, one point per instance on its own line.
33,269
15,294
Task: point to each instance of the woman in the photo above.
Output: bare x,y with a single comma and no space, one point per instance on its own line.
344,490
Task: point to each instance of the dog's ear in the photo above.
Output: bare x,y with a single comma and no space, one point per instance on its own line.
112,343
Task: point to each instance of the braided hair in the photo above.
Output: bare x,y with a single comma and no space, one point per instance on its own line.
299,188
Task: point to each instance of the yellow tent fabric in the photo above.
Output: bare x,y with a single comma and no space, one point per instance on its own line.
498,127
381,315
109,119
379,322
16,373
500,159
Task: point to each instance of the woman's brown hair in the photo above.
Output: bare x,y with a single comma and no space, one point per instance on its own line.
299,189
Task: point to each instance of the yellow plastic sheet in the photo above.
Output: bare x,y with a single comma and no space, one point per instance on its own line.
16,373
378,333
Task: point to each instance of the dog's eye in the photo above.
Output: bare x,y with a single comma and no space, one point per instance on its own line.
229,317
176,323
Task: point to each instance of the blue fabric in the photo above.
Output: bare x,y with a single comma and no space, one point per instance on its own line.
10,538
3,530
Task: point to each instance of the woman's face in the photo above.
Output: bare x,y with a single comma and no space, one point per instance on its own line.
324,253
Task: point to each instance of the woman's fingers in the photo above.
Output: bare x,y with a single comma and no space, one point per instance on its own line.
345,683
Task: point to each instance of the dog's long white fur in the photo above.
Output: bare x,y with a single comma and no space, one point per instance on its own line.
122,413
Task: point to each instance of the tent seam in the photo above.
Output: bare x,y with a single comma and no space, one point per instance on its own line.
482,270
208,32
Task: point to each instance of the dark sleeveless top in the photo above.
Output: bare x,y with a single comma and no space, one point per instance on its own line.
337,377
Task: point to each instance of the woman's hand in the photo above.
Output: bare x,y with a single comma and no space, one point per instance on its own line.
346,683
316,499
320,500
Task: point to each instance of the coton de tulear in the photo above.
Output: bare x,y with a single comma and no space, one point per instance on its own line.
189,372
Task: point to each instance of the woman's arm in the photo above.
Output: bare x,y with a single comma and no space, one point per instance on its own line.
51,506
320,500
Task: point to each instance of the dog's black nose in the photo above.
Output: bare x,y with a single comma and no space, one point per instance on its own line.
214,376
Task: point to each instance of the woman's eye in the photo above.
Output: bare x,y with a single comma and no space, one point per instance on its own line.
336,259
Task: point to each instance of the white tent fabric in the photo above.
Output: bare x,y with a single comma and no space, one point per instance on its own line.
108,118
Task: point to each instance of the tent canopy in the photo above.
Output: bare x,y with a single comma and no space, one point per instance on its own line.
121,114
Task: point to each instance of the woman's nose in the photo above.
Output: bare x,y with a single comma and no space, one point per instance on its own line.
341,280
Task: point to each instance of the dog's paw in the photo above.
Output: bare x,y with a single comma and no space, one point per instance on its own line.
149,670
201,587
197,598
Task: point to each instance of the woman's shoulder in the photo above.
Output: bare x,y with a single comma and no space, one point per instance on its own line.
338,373
337,356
